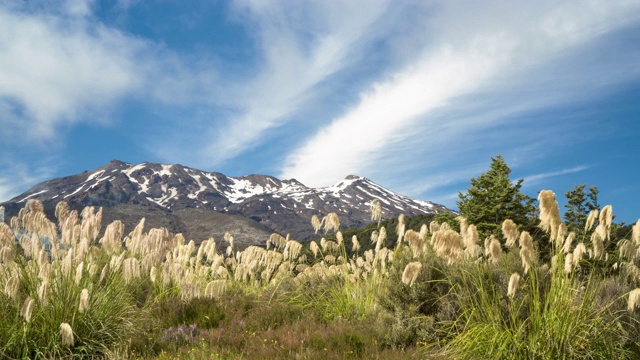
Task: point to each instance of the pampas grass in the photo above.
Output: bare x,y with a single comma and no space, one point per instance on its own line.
549,215
66,334
411,272
514,282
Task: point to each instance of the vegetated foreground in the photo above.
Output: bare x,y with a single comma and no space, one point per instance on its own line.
435,292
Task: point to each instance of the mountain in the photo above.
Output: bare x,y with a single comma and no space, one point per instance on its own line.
202,204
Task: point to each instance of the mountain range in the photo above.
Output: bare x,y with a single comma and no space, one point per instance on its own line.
203,204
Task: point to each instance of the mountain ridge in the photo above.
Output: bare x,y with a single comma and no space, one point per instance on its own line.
168,193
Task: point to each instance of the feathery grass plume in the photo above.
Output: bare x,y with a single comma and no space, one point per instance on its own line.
487,242
549,215
369,256
400,227
314,248
527,252
292,250
471,238
215,289
43,292
424,231
382,237
229,239
331,222
562,233
339,238
131,269
27,309
376,211
591,219
514,283
12,286
374,236
568,242
66,333
634,299
598,245
495,250
116,262
7,254
627,249
330,259
578,253
510,232
355,244
415,242
606,217
447,244
153,274
278,241
411,272
111,241
316,223
568,263
323,244
464,225
62,211
79,271
434,226
7,238
83,304
635,233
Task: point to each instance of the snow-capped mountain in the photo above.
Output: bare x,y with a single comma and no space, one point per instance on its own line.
191,201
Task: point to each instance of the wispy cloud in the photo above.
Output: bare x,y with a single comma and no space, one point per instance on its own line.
502,60
534,179
17,174
53,72
301,45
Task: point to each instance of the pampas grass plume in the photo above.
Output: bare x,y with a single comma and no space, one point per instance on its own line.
568,263
495,251
376,211
411,272
355,244
514,282
591,219
549,214
634,299
84,301
510,232
27,309
66,333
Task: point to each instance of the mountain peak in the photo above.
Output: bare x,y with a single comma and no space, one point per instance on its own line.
284,206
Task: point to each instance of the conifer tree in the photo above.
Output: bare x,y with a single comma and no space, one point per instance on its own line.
493,198
579,204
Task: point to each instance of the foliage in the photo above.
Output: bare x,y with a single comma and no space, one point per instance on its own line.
579,204
441,293
493,198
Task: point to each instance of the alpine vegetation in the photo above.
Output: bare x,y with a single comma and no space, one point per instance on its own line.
400,288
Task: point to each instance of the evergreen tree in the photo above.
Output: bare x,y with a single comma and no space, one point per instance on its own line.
493,198
579,204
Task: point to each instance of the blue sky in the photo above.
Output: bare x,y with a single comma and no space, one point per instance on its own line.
415,95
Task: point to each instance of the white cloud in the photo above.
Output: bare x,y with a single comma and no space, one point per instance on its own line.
52,72
17,174
510,48
301,45
533,179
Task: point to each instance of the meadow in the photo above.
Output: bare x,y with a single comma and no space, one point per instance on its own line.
71,289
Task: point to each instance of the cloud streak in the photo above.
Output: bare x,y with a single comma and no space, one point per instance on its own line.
301,46
420,100
534,179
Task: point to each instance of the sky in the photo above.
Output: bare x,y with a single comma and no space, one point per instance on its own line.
417,96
